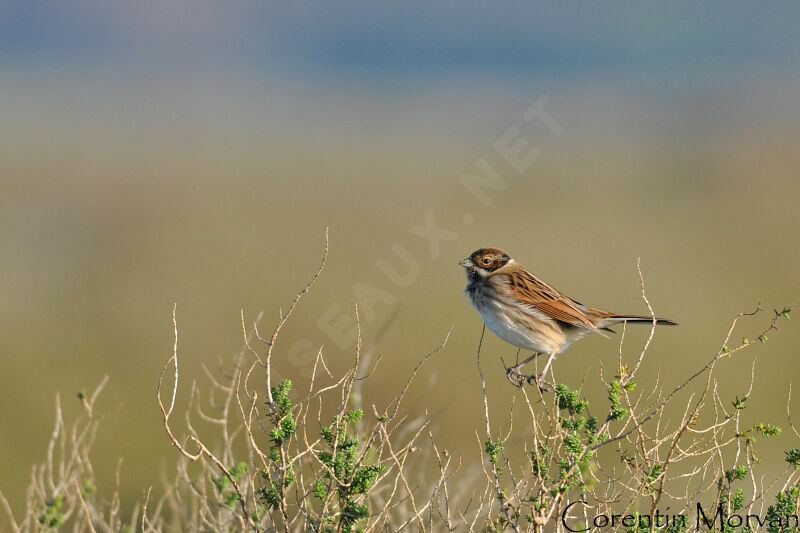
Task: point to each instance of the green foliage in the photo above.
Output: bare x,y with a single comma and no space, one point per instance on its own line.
364,477
739,403
563,470
591,426
223,483
279,475
346,478
320,489
730,498
493,450
539,459
786,504
270,496
655,472
89,488
768,430
573,444
793,457
52,517
280,396
737,473
570,400
284,424
352,512
616,412
351,417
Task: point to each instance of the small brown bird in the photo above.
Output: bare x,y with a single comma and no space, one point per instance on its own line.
525,311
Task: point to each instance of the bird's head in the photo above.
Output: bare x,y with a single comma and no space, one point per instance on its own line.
485,261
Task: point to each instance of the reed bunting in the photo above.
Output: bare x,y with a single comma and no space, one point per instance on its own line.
525,311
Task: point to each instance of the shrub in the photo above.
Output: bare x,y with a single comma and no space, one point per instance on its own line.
317,460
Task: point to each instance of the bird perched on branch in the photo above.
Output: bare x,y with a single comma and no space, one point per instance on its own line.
525,311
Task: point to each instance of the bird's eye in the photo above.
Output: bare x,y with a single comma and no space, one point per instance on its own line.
486,261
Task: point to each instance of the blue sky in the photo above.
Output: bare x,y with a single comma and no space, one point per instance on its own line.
364,42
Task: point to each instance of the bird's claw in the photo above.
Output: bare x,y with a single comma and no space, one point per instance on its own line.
517,379
539,382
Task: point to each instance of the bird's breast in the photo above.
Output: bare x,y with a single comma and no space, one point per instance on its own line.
516,324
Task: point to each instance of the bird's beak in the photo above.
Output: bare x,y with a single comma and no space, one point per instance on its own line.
466,262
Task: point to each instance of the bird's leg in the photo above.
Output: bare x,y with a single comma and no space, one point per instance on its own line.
513,373
539,379
547,364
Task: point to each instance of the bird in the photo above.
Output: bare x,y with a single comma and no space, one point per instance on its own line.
525,311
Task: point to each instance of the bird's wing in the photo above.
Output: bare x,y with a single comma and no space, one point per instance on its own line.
533,292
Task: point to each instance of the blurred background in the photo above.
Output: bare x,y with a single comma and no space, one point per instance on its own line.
194,152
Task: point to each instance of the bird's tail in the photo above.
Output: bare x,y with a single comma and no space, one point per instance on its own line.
639,319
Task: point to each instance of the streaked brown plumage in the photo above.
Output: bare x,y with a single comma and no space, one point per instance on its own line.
525,311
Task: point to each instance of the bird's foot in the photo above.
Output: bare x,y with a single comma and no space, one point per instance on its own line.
539,382
517,379
515,376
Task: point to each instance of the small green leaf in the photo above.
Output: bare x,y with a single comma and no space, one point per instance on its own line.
793,457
